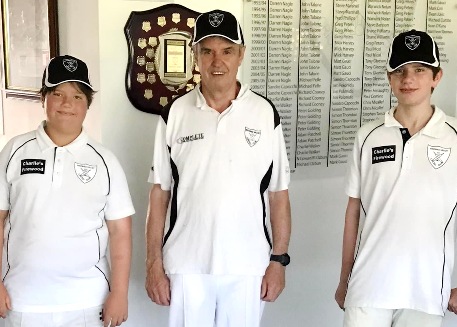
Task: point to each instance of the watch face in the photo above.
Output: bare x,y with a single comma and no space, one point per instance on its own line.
285,259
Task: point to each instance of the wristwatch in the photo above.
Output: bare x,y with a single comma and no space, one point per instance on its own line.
283,259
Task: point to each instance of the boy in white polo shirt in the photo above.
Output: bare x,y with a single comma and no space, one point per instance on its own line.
402,185
62,196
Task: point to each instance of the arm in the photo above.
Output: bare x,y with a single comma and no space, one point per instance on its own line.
157,283
351,227
115,309
5,302
274,280
452,304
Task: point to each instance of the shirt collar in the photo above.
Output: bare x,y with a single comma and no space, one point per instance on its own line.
434,127
45,143
200,100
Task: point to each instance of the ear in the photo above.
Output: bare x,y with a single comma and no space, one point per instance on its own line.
437,79
242,50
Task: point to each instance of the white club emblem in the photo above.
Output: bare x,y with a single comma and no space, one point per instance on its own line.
252,136
70,64
85,172
412,42
215,19
438,155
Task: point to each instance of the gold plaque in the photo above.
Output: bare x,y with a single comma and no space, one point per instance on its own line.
197,78
176,18
142,43
148,94
189,87
150,53
191,22
151,78
141,77
161,21
150,66
140,60
174,59
163,101
146,26
152,41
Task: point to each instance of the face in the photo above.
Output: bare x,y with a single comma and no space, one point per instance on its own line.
218,60
412,84
66,108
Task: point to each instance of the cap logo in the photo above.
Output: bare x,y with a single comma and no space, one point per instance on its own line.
412,42
70,64
215,19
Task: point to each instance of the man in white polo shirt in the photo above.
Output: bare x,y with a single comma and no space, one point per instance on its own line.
402,185
220,168
62,197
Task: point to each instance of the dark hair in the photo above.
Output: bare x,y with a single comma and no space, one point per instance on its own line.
88,92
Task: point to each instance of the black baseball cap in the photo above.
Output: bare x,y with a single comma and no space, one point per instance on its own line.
413,46
66,68
217,23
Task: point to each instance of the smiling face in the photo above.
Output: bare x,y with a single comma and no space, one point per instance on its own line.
412,84
218,60
66,107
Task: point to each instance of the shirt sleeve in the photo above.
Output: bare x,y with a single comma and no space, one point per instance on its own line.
280,175
160,172
4,184
119,202
353,178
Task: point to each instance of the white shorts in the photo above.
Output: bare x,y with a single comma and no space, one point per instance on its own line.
374,317
89,317
215,300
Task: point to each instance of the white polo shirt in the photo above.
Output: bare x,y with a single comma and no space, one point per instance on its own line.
408,193
56,238
219,168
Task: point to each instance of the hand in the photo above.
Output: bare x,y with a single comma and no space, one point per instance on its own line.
115,309
273,282
340,294
5,303
452,305
158,284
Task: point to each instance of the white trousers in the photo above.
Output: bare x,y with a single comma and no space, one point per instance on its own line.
215,300
80,318
374,317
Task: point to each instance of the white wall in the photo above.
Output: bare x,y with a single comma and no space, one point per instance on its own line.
93,31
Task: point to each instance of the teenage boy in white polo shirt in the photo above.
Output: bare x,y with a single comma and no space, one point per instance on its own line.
402,185
62,197
219,161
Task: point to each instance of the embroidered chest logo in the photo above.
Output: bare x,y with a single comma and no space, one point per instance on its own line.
383,154
85,172
437,155
252,136
190,138
33,166
412,42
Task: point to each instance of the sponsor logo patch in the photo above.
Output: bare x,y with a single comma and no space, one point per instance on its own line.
190,138
252,136
383,154
85,172
437,155
33,166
